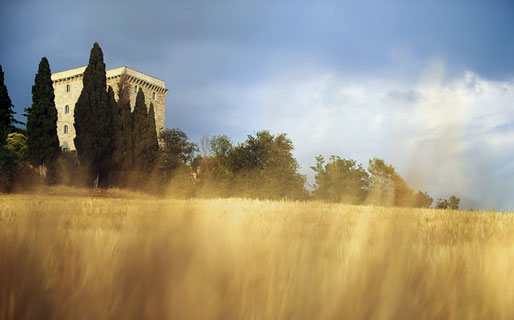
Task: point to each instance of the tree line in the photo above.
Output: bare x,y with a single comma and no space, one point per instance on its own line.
119,147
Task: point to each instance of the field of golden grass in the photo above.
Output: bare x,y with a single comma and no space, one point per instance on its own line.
129,256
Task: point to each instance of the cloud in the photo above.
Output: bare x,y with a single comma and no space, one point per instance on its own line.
339,77
446,136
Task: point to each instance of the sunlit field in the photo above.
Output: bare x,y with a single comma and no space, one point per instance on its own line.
119,255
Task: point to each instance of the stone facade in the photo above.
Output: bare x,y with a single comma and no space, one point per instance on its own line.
68,85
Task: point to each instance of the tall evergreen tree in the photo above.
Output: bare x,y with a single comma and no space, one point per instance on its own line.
93,120
42,140
139,132
151,135
6,110
117,132
124,148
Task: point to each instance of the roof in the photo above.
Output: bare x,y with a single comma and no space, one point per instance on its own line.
61,75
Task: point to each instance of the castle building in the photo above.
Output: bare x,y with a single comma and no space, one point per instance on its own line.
68,86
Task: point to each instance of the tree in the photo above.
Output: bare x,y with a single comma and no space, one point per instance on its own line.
442,204
176,149
340,180
382,188
151,137
124,152
221,148
8,166
93,120
17,143
117,135
13,157
7,120
423,200
386,186
42,140
176,158
264,167
140,135
454,203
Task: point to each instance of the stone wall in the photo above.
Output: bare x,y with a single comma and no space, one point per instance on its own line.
68,86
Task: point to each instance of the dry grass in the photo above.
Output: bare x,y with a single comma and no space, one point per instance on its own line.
83,257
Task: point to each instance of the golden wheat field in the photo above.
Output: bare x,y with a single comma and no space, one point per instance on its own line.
119,256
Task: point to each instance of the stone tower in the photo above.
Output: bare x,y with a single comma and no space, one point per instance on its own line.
68,85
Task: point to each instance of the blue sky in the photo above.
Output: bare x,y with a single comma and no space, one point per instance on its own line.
426,85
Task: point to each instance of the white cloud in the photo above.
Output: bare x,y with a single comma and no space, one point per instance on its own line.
444,136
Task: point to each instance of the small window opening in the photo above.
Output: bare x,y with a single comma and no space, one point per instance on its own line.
67,109
135,89
67,88
65,128
153,95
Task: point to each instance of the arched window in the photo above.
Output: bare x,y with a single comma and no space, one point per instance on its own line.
67,88
135,89
66,109
65,128
153,95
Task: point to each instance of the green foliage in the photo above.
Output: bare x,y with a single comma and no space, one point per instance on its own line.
8,167
212,172
42,140
70,173
13,157
442,204
124,146
386,186
144,142
423,200
452,203
151,137
6,110
138,127
118,139
340,180
177,151
93,119
17,143
264,167
182,184
382,177
221,148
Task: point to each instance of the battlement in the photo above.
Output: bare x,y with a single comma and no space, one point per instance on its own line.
68,86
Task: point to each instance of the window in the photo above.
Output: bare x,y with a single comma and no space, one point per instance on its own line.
65,128
135,89
153,95
66,109
67,88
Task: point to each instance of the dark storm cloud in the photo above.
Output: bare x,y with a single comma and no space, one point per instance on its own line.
239,66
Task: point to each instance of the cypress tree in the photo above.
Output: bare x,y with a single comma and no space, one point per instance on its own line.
126,148
139,128
42,140
123,149
151,134
6,110
93,120
117,156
